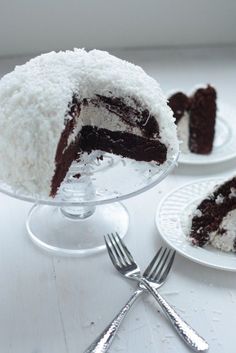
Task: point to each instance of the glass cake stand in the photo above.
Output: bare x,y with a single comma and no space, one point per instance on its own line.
86,208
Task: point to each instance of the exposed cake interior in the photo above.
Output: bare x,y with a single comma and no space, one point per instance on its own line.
214,220
199,113
108,124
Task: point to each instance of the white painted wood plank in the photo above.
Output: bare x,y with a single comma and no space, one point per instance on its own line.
29,313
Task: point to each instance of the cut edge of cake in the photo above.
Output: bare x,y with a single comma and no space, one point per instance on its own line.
214,219
107,124
195,118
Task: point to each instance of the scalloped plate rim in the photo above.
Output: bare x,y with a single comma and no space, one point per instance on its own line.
193,257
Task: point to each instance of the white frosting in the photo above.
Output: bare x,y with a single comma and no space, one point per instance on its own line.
183,132
232,193
197,213
34,101
226,240
220,199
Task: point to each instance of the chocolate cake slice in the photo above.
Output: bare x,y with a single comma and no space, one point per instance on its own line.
195,119
214,219
59,107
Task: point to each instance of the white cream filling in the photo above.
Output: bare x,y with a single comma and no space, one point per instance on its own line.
102,118
232,193
220,199
183,132
197,213
225,241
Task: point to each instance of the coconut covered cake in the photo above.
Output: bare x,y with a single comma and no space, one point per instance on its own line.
58,106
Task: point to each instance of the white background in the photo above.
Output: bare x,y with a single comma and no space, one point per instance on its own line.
34,26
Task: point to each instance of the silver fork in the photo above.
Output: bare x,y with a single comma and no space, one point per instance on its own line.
125,264
156,272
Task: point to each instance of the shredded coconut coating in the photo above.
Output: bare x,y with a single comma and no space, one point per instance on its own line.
34,101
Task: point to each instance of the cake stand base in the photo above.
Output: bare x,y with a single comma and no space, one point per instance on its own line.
75,231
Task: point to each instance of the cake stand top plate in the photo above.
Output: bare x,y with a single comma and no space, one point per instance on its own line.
111,179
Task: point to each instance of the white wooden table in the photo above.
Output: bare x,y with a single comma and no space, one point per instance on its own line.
59,305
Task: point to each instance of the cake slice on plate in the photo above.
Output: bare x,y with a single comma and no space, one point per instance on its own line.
195,118
214,219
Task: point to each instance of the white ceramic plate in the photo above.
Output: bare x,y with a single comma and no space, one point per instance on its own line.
172,221
224,147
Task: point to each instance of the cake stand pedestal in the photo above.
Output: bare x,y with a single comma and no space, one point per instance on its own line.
87,208
62,233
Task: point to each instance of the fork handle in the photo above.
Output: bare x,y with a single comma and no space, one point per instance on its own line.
104,340
191,337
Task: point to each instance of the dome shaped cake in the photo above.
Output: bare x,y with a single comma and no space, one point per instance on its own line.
59,105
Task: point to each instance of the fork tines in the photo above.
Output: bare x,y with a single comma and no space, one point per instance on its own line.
119,253
160,266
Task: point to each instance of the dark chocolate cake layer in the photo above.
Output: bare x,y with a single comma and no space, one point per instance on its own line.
211,212
123,144
63,164
202,120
